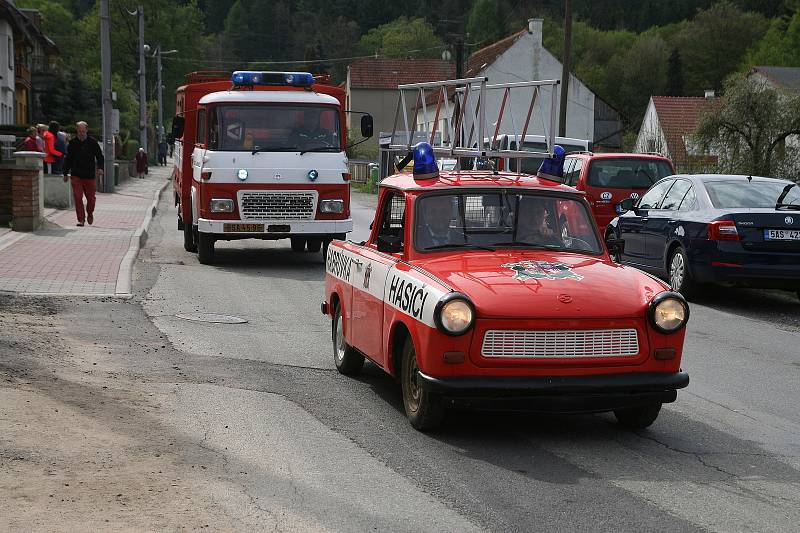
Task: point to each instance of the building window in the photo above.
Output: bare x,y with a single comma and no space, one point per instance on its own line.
10,53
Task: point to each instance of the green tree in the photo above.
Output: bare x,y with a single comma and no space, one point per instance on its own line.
402,38
750,127
780,46
635,75
674,74
486,23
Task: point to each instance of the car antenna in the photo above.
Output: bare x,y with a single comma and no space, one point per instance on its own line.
749,178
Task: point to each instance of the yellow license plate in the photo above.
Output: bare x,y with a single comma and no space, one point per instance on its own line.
243,228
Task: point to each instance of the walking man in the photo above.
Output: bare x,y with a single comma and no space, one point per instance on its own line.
84,163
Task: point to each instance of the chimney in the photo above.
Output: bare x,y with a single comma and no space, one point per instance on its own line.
535,29
709,94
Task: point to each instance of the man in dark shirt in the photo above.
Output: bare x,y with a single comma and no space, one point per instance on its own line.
84,163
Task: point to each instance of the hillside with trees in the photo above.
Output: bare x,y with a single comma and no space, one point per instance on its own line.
624,50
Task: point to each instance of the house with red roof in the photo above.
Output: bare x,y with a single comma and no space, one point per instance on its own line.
668,129
371,86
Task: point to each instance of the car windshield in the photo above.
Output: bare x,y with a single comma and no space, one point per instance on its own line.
627,173
530,165
506,219
747,194
274,128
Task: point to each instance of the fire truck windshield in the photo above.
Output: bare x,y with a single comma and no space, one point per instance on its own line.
274,128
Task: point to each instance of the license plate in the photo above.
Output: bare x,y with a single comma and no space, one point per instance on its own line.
782,234
243,228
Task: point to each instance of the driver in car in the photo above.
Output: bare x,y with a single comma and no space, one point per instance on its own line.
433,229
534,223
310,134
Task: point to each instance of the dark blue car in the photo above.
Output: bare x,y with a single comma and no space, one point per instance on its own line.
728,230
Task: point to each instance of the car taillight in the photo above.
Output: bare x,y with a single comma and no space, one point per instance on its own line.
723,230
346,176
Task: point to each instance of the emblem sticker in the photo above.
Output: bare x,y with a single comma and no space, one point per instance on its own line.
525,270
605,195
789,220
635,195
367,274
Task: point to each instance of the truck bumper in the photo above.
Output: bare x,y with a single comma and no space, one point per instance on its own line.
274,227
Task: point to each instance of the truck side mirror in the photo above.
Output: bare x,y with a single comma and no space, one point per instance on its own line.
616,247
366,126
625,205
389,244
178,122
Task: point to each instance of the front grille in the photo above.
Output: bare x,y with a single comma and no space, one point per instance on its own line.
278,205
567,344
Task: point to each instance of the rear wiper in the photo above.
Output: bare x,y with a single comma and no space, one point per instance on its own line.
643,171
275,149
795,207
779,201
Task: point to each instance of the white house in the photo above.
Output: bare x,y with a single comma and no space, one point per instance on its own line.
7,81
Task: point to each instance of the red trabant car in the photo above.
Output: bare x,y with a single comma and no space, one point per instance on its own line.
470,288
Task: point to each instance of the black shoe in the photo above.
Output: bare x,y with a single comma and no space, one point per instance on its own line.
79,224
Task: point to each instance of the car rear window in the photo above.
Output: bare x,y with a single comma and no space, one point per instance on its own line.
627,173
746,194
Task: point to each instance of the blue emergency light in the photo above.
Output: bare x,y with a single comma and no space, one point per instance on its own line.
425,166
552,168
248,78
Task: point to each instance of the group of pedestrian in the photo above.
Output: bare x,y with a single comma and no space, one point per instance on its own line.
51,141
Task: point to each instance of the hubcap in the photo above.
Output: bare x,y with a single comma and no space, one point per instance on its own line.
676,271
412,389
339,345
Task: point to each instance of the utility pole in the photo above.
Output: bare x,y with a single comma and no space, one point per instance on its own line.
142,85
105,61
459,57
158,53
562,111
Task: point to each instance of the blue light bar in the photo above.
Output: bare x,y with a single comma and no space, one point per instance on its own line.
425,166
552,168
248,78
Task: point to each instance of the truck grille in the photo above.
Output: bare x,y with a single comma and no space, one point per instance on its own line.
278,205
567,344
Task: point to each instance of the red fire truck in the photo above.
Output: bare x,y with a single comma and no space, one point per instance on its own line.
261,155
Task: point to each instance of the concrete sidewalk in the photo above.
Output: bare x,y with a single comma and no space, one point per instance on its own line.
63,259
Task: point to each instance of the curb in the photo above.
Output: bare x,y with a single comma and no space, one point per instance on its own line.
125,275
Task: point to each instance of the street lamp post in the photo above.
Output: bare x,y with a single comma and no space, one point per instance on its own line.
143,49
108,134
158,53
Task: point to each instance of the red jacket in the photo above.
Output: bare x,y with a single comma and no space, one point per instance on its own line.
141,162
30,144
51,155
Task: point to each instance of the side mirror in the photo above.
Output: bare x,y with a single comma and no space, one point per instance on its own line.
616,247
367,126
389,244
625,205
178,122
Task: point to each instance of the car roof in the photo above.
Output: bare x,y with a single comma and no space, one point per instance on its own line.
705,178
283,97
617,155
475,178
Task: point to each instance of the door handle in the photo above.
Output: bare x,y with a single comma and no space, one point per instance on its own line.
358,264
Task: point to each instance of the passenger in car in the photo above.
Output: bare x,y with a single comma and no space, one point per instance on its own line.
534,224
433,229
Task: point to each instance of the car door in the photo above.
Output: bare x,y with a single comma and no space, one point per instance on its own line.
369,279
631,224
661,224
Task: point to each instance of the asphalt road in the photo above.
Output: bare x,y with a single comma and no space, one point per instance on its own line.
332,452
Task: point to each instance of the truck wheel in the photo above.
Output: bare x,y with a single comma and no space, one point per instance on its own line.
424,409
314,245
638,417
189,244
348,361
327,242
298,244
679,278
205,248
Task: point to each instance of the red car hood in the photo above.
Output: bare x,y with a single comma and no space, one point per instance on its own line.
538,284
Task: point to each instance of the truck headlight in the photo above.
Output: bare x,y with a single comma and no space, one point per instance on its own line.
454,314
668,312
221,205
331,206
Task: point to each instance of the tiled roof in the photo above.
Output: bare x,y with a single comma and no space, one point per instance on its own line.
679,116
786,77
479,59
389,73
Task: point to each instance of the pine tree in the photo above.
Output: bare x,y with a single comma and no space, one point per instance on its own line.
674,74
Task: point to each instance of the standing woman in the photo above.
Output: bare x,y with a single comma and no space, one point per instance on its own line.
31,142
141,163
51,155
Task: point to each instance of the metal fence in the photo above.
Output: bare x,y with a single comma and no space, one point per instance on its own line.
359,170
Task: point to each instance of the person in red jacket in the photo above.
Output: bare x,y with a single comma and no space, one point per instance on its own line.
31,144
141,163
51,155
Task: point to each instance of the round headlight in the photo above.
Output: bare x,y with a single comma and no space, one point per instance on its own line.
242,174
669,312
454,314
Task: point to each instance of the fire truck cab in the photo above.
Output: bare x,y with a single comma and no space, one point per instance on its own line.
261,155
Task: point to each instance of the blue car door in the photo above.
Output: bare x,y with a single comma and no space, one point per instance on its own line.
661,224
632,224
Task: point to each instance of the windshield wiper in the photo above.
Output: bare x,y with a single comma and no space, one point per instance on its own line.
779,202
319,149
643,171
275,149
457,245
528,244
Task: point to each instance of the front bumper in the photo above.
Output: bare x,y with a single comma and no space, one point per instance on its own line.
294,227
595,393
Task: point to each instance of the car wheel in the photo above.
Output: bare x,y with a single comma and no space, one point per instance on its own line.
298,244
205,248
189,244
313,245
348,360
638,417
424,409
679,278
614,257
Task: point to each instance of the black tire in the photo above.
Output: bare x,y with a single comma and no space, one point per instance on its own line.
424,409
189,244
298,244
327,242
314,245
205,248
348,361
678,273
638,417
